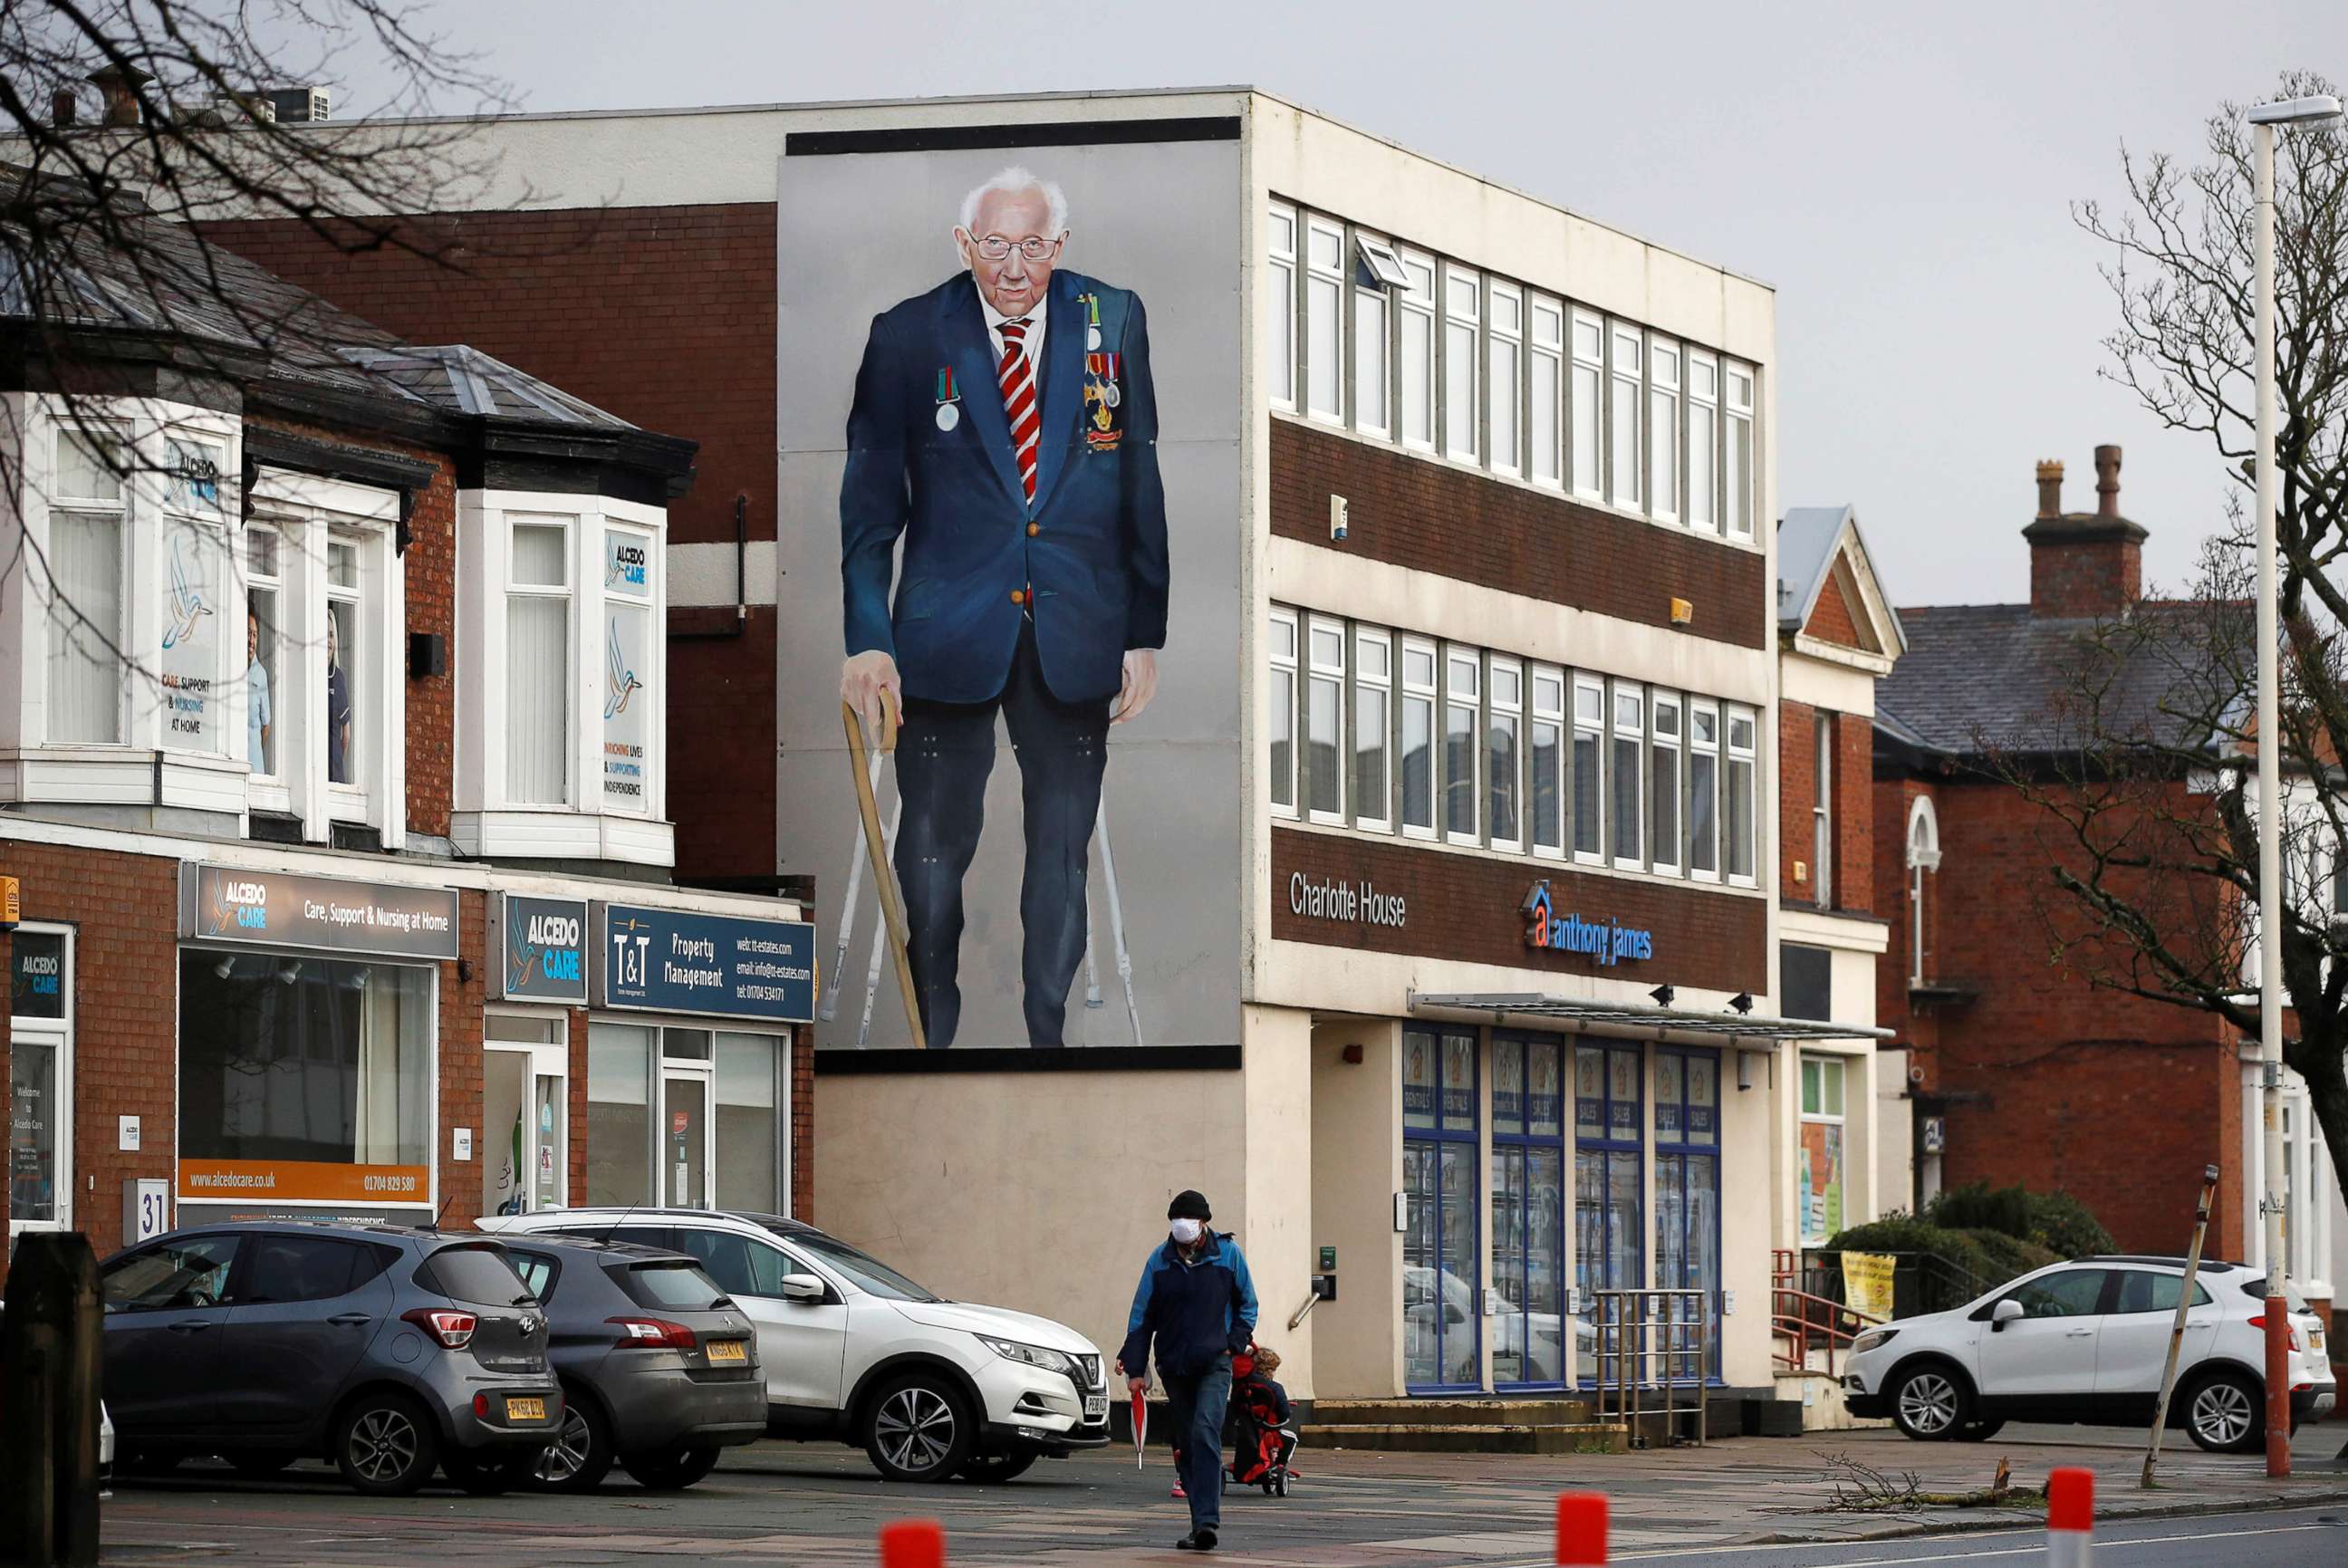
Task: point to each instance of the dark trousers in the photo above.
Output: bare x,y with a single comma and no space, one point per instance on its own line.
1195,1406
944,754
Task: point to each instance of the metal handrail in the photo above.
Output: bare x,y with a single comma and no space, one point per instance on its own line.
1628,1327
1807,1330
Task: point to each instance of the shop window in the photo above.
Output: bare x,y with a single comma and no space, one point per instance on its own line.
1504,387
1418,703
1704,791
1461,368
1548,750
751,1097
1739,817
86,567
1325,296
1280,719
1702,438
1664,785
1373,698
1627,453
1461,720
686,1117
1280,297
1663,430
40,1079
1416,359
1589,407
1545,405
1528,1212
1441,1305
1325,721
1610,1231
304,1078
619,1114
1504,735
1821,1180
1688,1196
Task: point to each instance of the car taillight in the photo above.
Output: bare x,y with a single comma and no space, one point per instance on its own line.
2289,1333
652,1333
449,1330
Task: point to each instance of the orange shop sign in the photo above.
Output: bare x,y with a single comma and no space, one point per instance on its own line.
303,1181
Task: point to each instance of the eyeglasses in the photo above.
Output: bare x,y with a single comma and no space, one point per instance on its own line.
995,248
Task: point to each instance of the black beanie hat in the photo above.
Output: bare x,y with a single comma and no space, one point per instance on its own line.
1189,1205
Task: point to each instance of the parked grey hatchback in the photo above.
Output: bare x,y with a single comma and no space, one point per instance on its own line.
659,1368
389,1352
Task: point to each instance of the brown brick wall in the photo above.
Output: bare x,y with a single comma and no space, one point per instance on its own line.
803,1124
1830,618
1854,815
1467,907
1416,513
462,1100
1797,793
2086,577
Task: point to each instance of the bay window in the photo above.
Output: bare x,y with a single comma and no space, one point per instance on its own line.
199,614
538,661
84,592
1279,296
265,620
1324,304
628,657
1416,356
1505,384
1418,698
1460,369
1373,692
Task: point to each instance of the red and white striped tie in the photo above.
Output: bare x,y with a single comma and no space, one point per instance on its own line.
1018,380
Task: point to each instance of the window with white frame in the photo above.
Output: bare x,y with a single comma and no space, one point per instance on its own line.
1504,757
1373,694
41,1079
1415,356
1460,363
1703,440
1280,294
1325,304
1627,844
1548,753
1325,721
1373,391
1704,791
1504,381
1738,468
1627,453
538,660
1589,407
1418,705
87,566
1279,721
1589,776
1461,754
356,676
1743,850
1545,406
266,621
1663,784
1923,859
1663,430
199,615
631,661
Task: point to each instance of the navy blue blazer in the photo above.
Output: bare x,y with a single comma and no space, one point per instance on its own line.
1089,555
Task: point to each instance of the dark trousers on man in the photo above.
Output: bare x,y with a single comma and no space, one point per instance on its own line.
1196,1403
944,754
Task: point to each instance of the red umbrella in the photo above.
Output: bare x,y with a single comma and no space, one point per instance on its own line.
1141,1426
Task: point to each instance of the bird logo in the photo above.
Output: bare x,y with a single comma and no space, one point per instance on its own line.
621,682
186,608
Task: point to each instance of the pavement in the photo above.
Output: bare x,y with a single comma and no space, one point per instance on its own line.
1747,1499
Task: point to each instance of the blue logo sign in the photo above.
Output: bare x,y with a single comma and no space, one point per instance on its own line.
1611,943
545,946
675,962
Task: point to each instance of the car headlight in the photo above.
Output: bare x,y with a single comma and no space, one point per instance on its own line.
1873,1339
1033,1354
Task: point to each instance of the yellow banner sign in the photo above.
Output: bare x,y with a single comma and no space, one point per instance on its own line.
1866,1284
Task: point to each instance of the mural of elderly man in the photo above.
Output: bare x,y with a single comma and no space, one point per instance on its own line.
1004,428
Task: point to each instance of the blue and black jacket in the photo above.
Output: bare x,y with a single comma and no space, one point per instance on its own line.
1195,1309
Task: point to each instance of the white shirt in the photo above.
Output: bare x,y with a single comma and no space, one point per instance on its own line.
1033,338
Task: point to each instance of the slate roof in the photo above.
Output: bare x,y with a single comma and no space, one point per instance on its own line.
1805,559
1977,676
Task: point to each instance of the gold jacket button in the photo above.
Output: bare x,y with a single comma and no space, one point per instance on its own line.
1018,597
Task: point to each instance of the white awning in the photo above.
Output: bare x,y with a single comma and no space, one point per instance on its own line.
1634,1020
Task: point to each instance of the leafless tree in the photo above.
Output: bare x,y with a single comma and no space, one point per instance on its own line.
2145,765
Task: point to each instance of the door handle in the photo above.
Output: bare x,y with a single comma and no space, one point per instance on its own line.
350,1319
2078,1334
196,1326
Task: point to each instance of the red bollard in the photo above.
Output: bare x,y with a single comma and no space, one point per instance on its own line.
1582,1529
2070,1518
912,1543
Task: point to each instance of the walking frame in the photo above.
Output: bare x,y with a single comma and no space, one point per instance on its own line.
875,847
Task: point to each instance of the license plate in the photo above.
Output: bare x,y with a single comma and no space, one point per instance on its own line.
525,1410
2315,1339
729,1350
1096,1407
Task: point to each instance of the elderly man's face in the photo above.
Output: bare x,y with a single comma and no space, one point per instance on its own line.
252,638
1013,284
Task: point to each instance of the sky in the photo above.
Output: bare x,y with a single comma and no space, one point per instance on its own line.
1901,175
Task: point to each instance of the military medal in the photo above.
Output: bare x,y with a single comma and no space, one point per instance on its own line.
1092,318
949,399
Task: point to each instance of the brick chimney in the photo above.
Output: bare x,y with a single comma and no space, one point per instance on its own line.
2083,565
119,87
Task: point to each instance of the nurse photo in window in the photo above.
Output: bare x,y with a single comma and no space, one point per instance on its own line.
338,706
256,696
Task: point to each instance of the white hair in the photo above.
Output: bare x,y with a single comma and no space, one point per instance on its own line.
1017,178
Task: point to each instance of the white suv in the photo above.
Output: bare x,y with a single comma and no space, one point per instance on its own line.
2084,1341
856,1353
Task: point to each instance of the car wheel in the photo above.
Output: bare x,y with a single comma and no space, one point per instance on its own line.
916,1429
1930,1403
671,1469
998,1466
581,1455
482,1476
2221,1414
1980,1431
384,1445
262,1465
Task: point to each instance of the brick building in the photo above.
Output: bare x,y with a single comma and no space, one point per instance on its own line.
334,785
2024,1071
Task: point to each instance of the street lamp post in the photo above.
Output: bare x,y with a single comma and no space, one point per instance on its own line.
2263,120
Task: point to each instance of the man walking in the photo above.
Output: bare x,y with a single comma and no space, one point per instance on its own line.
1197,1303
1005,429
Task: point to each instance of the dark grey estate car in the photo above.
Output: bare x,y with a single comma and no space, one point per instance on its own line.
388,1351
659,1368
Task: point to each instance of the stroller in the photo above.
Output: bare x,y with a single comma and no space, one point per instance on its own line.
1263,1438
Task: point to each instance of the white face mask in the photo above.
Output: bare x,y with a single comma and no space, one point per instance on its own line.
1185,1231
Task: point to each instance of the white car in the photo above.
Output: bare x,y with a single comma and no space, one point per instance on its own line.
2084,1341
856,1353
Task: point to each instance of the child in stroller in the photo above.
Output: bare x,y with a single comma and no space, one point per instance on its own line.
1264,1439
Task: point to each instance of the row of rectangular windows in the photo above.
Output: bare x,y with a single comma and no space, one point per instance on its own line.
1385,732
1393,344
